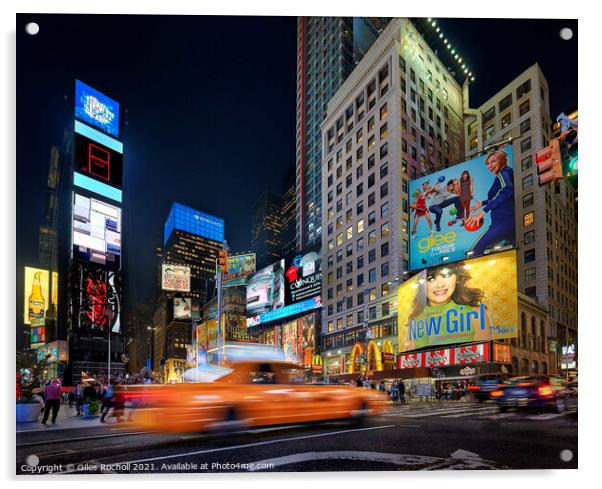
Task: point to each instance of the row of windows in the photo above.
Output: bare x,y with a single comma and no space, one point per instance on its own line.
347,321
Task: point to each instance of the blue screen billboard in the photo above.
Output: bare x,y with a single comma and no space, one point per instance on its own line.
194,222
96,109
463,211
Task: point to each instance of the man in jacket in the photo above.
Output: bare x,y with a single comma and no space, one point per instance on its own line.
52,396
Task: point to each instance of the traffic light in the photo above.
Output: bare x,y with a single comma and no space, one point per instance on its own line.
222,260
569,152
549,163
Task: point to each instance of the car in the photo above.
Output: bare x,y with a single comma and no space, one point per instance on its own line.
253,394
482,386
536,392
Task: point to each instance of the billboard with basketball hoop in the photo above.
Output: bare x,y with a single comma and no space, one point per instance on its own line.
464,211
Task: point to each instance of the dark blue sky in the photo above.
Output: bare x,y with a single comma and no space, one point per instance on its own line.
210,108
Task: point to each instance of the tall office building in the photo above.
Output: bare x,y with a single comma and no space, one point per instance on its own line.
266,229
546,225
328,48
397,116
287,234
193,238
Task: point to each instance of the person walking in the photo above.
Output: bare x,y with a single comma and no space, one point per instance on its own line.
107,400
78,395
52,396
402,392
359,382
394,391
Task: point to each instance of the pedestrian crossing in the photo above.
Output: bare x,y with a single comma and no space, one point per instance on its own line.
485,411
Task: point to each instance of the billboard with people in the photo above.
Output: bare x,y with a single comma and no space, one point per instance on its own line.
462,302
463,211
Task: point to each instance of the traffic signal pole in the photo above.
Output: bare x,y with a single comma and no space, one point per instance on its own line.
219,315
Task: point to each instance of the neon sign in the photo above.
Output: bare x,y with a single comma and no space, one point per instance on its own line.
96,109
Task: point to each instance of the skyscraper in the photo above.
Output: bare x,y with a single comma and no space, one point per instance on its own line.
266,228
397,116
328,48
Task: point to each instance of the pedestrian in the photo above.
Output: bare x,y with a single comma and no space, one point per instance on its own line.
394,391
52,396
402,391
107,400
359,382
381,386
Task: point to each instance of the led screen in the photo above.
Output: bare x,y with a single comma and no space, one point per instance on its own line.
96,109
97,160
175,277
96,231
467,301
239,268
182,308
265,289
463,211
303,276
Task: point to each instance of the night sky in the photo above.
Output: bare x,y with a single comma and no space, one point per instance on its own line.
211,108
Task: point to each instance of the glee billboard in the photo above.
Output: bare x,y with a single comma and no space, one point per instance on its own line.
466,210
467,301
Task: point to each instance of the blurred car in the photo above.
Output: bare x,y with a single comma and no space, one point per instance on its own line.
482,386
254,393
537,392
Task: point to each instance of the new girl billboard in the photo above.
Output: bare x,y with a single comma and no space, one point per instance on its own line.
466,210
462,302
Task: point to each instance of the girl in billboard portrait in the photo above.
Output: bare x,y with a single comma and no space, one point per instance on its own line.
466,194
499,204
420,208
447,288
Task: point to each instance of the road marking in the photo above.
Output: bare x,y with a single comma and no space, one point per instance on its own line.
80,438
439,412
471,413
545,416
247,445
391,458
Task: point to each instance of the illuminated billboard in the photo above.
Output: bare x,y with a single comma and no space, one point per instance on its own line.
468,301
97,160
265,289
182,308
240,267
283,312
96,231
96,109
466,210
36,296
303,276
175,277
298,339
54,352
98,305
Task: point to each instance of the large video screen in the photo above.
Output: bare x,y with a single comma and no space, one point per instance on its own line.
265,289
303,276
97,160
96,109
96,231
467,301
100,302
240,267
463,211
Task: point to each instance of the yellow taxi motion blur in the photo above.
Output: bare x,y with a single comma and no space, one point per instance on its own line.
252,394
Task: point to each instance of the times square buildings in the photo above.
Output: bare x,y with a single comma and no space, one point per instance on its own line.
401,115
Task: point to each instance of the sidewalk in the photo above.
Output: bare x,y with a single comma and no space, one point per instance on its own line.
66,419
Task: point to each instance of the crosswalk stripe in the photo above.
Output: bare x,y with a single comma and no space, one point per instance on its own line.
440,412
470,413
545,416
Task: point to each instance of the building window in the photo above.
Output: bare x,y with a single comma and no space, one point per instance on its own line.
350,232
371,218
349,250
372,275
384,250
371,238
529,256
505,103
372,295
359,172
359,190
529,274
488,114
527,163
360,226
528,218
384,190
330,326
371,199
507,120
385,289
524,89
384,230
330,245
349,285
360,261
384,150
360,301
489,131
340,323
524,108
371,180
527,182
385,309
349,317
360,242
525,126
360,279
339,239
384,210
528,200
384,269
529,237
383,112
371,256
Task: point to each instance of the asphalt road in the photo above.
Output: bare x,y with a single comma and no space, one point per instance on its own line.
416,437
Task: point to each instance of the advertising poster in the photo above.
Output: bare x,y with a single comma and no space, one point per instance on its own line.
308,339
471,354
96,109
240,267
182,308
100,305
175,277
36,296
303,276
462,211
55,289
438,358
463,302
96,231
410,360
56,351
265,289
501,353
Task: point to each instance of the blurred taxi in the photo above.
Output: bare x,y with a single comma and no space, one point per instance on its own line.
482,386
533,392
254,393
